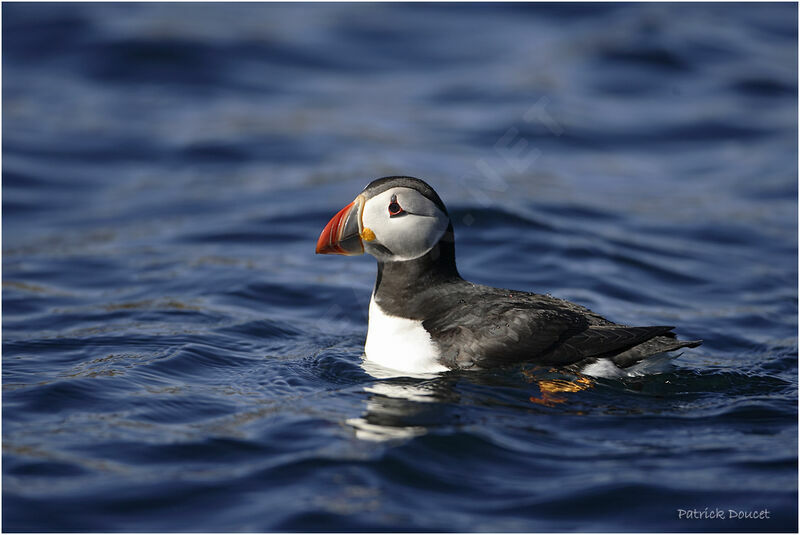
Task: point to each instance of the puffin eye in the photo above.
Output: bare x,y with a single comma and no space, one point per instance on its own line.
394,207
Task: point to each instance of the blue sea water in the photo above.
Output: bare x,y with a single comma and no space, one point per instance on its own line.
176,358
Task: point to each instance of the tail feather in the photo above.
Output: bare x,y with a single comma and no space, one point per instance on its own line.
654,346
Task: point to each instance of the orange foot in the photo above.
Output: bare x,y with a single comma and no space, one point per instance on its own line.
550,387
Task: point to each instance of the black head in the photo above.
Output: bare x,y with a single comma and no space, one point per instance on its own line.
379,185
395,219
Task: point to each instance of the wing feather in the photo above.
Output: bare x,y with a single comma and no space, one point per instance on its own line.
523,327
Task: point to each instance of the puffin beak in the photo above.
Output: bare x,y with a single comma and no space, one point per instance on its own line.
342,234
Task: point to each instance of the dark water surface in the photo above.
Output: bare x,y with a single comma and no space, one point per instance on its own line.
175,357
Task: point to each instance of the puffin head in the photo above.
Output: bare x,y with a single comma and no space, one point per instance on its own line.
394,219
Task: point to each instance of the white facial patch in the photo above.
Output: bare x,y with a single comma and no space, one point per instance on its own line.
407,235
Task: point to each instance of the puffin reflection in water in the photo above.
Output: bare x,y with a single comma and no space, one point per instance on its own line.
424,318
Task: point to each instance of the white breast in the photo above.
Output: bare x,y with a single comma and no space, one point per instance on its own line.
399,343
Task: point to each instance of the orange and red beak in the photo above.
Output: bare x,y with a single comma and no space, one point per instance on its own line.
342,234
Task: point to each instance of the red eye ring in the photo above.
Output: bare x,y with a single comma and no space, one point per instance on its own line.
394,207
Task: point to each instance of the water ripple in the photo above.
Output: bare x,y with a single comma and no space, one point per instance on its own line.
175,357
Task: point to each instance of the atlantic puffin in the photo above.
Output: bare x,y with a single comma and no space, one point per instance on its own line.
425,318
